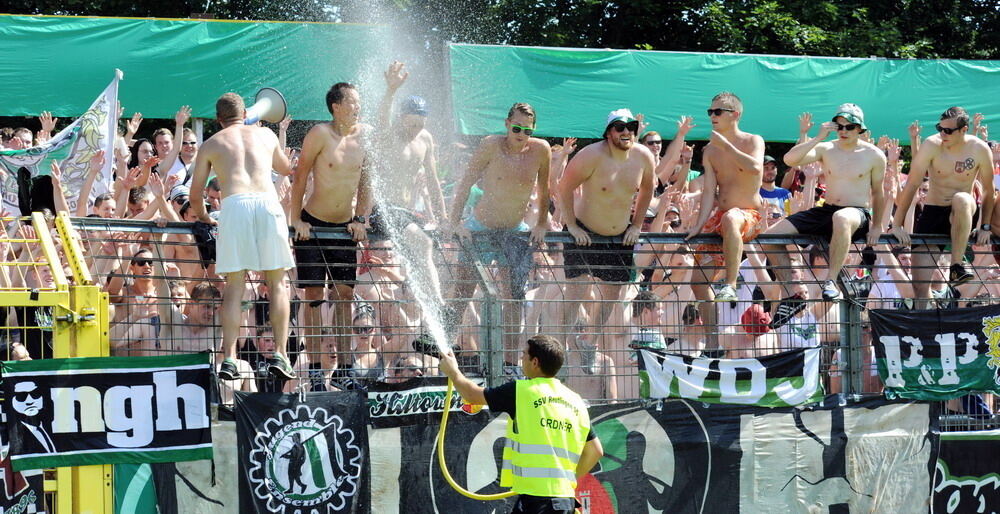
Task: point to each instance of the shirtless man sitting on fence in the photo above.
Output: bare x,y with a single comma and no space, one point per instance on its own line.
954,161
253,232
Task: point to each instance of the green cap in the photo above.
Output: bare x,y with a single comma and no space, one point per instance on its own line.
851,113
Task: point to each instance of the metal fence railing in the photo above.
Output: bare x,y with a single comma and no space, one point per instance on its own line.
359,328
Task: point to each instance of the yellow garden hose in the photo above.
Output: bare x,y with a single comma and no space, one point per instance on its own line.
444,467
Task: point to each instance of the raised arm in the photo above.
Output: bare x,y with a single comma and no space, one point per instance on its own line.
94,168
279,159
395,76
180,118
673,153
914,137
811,150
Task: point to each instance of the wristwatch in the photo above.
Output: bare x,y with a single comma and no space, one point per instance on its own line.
985,226
358,219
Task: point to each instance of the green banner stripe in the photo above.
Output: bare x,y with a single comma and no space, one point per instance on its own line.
974,377
712,394
110,457
986,435
110,363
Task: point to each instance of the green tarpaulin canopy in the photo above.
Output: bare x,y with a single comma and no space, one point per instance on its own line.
574,89
60,63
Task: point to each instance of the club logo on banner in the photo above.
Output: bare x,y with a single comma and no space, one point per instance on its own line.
107,410
302,458
780,380
938,354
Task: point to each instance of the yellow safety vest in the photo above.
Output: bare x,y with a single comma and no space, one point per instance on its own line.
544,443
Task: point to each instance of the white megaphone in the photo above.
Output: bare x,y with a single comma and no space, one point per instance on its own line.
269,106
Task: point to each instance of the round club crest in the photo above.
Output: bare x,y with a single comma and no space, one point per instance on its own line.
304,459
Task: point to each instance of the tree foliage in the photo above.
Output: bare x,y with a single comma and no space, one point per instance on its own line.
958,29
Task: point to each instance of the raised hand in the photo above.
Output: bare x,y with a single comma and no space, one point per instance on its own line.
152,161
883,142
983,132
977,120
133,125
805,122
687,153
183,115
825,129
48,122
132,178
892,150
283,124
395,76
56,172
155,184
914,129
641,118
569,145
684,125
170,183
96,162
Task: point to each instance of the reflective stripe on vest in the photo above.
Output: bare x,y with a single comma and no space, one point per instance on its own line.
542,449
524,472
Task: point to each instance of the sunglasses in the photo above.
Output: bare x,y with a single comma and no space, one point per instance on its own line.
23,396
620,126
849,126
189,143
364,330
947,130
517,130
142,262
719,111
654,142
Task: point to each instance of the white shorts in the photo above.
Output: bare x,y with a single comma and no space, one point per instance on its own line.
253,234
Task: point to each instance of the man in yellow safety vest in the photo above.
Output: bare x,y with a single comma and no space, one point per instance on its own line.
549,440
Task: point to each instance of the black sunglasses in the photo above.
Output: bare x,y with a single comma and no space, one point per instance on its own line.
620,126
142,262
849,126
947,130
517,130
719,111
654,142
364,330
23,396
189,143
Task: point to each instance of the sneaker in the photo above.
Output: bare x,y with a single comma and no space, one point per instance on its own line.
228,370
961,272
830,291
786,310
726,294
280,367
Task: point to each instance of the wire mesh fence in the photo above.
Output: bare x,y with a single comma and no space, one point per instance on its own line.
355,316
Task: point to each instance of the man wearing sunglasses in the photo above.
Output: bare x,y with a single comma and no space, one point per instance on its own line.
854,170
507,168
734,163
954,161
608,174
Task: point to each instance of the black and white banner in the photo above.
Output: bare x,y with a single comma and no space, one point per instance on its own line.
303,457
22,490
107,410
967,475
780,380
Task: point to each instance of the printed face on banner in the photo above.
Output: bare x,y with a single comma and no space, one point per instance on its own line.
305,459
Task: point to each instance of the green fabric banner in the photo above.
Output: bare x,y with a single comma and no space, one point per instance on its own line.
937,354
56,63
573,90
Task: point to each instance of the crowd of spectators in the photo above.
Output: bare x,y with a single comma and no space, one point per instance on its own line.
165,294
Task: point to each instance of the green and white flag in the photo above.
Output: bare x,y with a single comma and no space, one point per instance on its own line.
937,354
72,149
780,380
107,410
